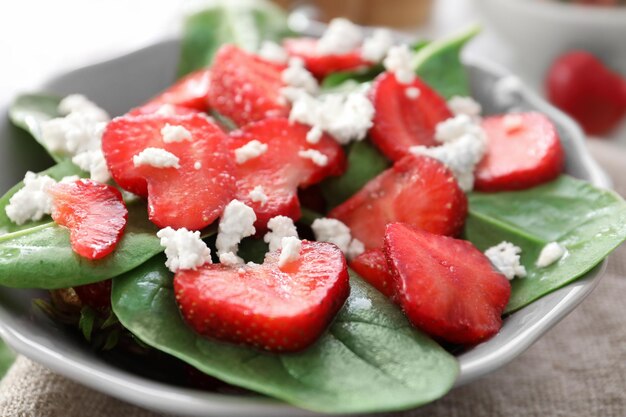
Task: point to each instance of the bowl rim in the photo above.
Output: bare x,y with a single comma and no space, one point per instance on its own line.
566,11
161,397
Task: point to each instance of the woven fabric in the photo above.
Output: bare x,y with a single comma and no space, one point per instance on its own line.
578,369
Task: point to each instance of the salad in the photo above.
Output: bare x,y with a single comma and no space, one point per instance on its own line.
324,221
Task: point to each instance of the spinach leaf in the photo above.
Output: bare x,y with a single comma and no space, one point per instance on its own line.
28,111
364,163
6,358
369,360
62,169
588,221
41,256
439,64
243,23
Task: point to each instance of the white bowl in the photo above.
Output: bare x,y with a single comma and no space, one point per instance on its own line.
125,82
539,31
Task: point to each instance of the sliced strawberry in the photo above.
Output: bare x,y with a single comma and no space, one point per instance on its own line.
523,150
246,88
281,170
445,286
95,214
162,109
417,190
264,306
372,266
191,91
191,196
402,120
96,295
321,65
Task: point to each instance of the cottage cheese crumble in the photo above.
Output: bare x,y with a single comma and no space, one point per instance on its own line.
314,155
236,223
174,133
375,47
32,201
250,150
156,157
258,195
335,231
399,61
341,36
290,250
506,258
550,253
184,249
279,228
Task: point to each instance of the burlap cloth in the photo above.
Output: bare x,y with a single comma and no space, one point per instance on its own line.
577,370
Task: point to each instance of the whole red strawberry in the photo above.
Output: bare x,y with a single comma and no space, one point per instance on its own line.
582,86
279,309
445,286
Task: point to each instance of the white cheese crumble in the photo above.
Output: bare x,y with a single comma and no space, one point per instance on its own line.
156,157
290,250
250,150
341,37
464,146
174,133
550,253
279,228
346,117
273,52
506,258
399,61
512,122
32,201
184,249
72,134
197,165
230,259
412,93
78,103
258,195
335,231
465,105
166,110
375,47
314,135
93,162
296,76
314,155
236,223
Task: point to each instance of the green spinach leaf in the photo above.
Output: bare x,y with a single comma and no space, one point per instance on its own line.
28,111
369,360
364,163
41,256
62,169
243,23
588,221
439,64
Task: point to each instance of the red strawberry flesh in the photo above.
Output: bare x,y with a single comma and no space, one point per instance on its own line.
401,121
520,157
417,190
280,170
94,213
445,286
280,310
372,266
246,88
191,196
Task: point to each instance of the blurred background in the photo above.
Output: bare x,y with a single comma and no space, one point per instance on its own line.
39,38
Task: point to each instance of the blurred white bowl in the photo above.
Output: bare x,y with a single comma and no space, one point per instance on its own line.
541,30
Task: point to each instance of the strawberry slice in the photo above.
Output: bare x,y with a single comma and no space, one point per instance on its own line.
372,266
445,286
96,295
523,150
321,65
192,195
402,119
280,310
191,91
417,190
245,87
95,214
281,169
